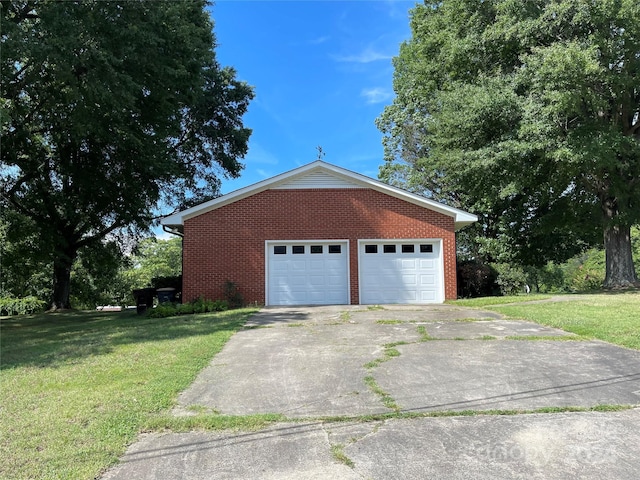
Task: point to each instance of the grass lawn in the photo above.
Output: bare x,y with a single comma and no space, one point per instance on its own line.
612,317
77,388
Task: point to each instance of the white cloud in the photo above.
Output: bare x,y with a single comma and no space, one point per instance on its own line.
368,55
376,95
319,40
257,154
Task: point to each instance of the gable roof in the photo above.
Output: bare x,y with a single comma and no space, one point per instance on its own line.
318,174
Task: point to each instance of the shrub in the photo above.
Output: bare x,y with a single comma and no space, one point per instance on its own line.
511,279
476,279
185,309
163,310
219,306
232,295
197,306
21,306
585,272
546,279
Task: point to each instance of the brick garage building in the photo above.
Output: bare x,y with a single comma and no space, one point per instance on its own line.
320,234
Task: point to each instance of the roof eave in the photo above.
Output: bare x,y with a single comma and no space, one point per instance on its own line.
461,218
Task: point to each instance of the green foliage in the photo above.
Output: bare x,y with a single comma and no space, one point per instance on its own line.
585,272
476,279
25,269
95,278
546,279
232,295
511,278
527,114
154,263
200,305
184,308
21,306
162,310
156,259
172,281
110,110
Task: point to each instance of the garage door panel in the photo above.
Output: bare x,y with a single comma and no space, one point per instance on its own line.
316,265
279,266
409,275
298,265
408,264
427,280
334,264
305,278
428,296
409,280
407,296
426,264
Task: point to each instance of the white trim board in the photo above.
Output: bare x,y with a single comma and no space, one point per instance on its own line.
326,174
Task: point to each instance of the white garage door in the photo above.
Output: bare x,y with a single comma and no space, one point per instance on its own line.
307,273
400,271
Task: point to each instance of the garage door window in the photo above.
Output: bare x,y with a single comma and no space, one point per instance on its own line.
426,248
316,248
297,249
371,249
389,249
408,248
280,250
335,249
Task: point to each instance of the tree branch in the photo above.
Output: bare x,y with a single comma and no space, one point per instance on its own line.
25,13
100,234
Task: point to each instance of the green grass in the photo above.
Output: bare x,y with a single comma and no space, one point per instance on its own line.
424,335
387,400
488,337
381,417
488,301
77,388
389,322
337,451
389,352
375,307
614,318
168,422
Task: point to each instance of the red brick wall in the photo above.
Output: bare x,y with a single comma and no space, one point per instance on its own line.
228,243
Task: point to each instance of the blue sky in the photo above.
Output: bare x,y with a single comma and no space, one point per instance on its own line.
322,74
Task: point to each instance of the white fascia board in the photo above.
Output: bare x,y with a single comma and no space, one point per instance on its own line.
461,218
179,217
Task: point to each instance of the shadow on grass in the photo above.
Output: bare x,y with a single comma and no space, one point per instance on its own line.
51,339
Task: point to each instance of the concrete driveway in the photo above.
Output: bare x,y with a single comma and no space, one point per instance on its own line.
327,368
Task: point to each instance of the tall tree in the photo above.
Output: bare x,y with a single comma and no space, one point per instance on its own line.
154,258
110,109
526,112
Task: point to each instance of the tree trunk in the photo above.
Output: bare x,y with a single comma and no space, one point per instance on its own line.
620,269
62,281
